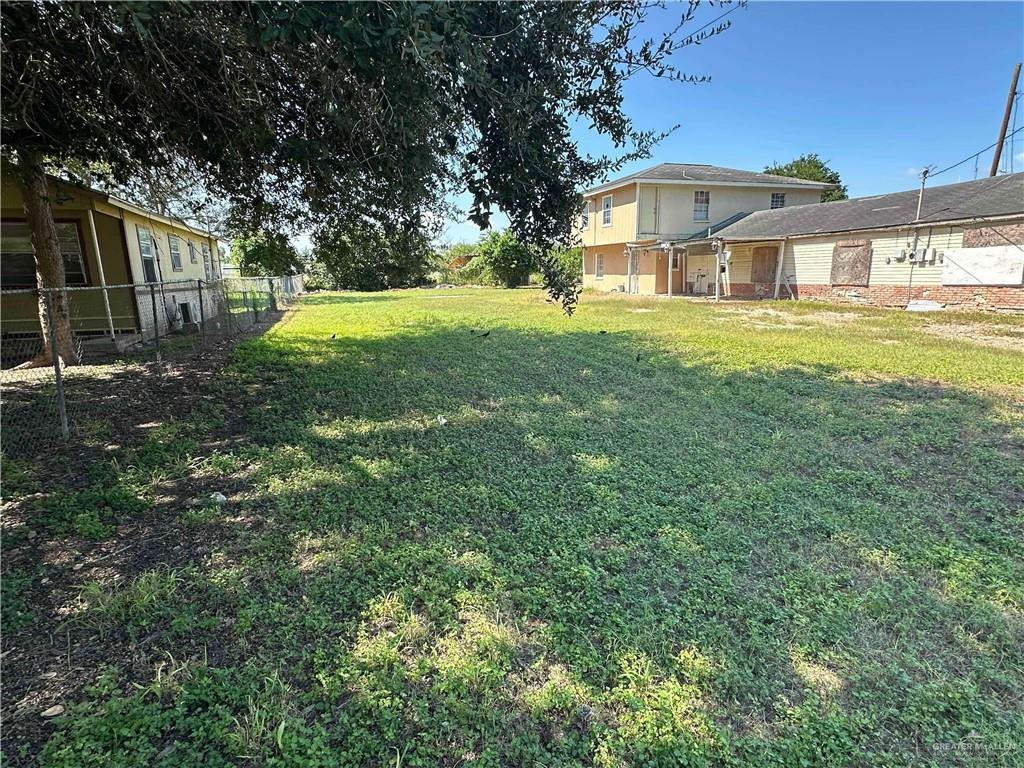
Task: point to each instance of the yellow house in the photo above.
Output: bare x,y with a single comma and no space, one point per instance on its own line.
634,229
957,245
109,242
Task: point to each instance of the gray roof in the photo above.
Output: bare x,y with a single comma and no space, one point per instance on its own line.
702,172
995,196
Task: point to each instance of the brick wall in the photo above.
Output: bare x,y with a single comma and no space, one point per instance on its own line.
954,297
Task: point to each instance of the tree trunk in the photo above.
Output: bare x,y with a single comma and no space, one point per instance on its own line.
49,264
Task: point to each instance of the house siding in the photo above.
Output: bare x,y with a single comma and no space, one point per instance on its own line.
807,264
623,226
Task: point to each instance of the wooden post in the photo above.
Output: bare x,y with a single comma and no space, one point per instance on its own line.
778,268
671,253
99,271
1006,120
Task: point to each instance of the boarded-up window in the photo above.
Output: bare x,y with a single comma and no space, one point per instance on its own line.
762,264
851,262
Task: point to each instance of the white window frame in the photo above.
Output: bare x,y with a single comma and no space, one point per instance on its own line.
675,261
174,248
599,266
780,198
192,253
702,205
606,211
585,217
152,258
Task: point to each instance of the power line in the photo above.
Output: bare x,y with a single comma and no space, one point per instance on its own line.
971,157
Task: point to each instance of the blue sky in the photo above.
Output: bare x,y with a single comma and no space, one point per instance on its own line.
878,89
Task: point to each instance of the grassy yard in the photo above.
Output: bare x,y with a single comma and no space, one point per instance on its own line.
655,533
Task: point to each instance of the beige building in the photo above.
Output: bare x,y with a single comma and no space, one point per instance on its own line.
104,241
634,229
959,245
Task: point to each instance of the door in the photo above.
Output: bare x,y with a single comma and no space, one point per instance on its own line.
648,209
634,268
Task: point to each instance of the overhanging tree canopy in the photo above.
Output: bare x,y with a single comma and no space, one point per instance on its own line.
358,113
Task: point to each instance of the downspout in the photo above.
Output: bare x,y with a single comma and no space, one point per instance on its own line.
778,268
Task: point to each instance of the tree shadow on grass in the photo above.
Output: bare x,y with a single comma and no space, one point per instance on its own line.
598,553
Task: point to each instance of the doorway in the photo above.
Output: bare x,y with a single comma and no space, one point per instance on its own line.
634,269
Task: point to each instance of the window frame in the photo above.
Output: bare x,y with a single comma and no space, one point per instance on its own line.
599,266
781,196
192,253
83,261
153,259
705,205
174,245
674,259
606,211
585,216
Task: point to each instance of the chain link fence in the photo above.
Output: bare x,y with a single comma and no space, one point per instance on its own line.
120,336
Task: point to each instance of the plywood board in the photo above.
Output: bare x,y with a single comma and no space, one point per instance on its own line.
991,265
851,262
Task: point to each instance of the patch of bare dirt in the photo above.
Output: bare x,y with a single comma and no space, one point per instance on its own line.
999,336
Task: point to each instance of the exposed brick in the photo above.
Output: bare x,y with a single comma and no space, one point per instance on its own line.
979,237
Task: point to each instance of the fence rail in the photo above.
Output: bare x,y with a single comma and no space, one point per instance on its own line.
118,332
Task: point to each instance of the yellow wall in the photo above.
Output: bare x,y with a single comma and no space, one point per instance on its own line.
615,267
623,226
19,312
161,231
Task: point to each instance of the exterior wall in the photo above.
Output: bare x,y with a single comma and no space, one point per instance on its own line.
19,313
807,264
673,205
116,231
615,267
161,232
623,226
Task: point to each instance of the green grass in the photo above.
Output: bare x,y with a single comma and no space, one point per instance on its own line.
708,536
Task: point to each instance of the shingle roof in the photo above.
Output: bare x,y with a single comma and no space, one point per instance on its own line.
702,172
995,196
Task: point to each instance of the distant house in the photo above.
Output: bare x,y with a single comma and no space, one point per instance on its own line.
103,240
634,229
964,249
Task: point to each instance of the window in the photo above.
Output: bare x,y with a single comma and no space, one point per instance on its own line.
599,266
147,249
701,205
585,219
778,199
192,255
207,263
675,260
606,211
18,263
175,249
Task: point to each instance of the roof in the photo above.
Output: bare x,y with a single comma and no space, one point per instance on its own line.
990,197
713,174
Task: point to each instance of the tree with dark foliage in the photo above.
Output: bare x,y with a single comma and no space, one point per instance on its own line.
812,168
307,113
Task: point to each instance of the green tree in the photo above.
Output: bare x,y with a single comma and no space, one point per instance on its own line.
315,113
812,168
265,254
366,259
507,259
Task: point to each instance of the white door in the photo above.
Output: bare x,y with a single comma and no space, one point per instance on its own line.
648,209
634,268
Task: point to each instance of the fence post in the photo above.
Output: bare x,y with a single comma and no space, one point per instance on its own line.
245,303
273,301
156,322
62,408
202,315
227,306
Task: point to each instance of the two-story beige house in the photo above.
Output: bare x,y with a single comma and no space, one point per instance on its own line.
632,227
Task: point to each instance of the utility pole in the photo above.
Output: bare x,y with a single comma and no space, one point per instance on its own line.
1006,121
920,196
